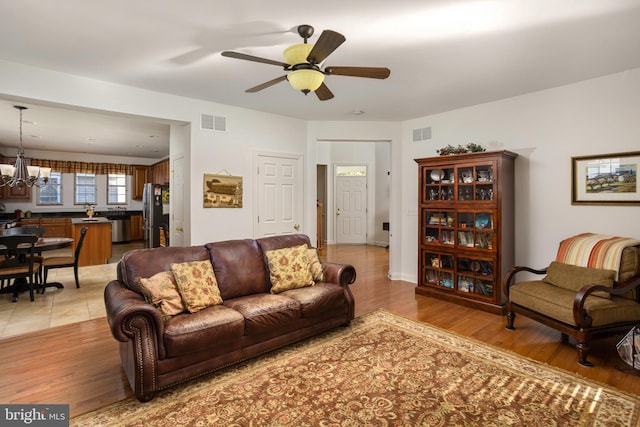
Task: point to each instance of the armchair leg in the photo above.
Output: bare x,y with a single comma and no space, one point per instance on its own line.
583,352
511,316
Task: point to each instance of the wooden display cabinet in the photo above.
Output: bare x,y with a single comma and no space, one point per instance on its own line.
466,225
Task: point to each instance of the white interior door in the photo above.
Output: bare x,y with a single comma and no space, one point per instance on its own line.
351,209
279,195
176,197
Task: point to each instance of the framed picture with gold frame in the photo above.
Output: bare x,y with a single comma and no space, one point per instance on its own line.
222,191
605,179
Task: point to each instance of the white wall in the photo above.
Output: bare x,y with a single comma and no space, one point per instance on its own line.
546,129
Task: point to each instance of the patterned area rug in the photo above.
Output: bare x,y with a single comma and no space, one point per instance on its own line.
383,370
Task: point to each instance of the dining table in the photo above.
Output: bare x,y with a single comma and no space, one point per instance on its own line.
42,245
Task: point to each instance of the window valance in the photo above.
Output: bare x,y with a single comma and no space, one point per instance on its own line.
65,166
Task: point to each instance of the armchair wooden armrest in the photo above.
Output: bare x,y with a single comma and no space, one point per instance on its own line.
511,275
580,314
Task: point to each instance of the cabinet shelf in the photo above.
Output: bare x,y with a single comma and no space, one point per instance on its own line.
466,225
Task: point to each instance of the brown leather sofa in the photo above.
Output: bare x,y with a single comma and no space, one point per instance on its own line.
157,354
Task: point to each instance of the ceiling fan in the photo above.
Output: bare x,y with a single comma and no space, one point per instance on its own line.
303,64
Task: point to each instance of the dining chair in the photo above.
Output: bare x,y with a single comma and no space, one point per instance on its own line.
18,263
49,263
164,235
36,231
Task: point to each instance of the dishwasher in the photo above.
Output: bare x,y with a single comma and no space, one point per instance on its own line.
120,228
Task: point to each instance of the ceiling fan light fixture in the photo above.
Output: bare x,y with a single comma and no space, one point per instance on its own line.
297,54
305,80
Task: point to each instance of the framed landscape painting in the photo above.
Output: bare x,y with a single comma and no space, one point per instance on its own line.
222,191
610,179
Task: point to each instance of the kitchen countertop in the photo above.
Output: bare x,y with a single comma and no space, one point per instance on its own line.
94,220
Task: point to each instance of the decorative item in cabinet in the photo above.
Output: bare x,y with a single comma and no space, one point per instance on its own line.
466,206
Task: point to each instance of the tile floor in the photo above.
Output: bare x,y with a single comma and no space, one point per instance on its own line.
62,306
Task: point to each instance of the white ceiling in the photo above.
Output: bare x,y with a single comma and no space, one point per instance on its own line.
443,55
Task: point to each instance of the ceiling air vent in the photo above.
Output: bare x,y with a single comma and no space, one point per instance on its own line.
422,134
211,122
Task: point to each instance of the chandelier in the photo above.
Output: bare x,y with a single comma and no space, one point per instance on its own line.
22,174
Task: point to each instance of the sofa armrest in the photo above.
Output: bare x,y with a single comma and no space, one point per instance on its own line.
581,316
342,274
509,278
123,305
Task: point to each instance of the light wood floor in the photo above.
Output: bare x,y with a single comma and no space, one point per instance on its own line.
78,364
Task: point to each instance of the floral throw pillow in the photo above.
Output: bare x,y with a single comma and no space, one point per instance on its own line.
317,271
289,268
161,291
197,284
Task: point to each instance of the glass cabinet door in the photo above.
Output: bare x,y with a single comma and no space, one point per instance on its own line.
439,227
438,184
476,275
438,269
475,230
476,182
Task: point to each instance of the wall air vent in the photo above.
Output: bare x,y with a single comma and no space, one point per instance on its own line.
422,134
211,122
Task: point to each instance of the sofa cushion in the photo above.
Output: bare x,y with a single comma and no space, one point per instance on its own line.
197,284
557,303
319,300
239,267
161,291
289,268
265,313
191,332
317,271
573,278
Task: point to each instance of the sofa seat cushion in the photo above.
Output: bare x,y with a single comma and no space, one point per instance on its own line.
190,332
264,313
318,300
557,303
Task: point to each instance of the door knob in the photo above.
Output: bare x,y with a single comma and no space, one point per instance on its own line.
296,226
179,229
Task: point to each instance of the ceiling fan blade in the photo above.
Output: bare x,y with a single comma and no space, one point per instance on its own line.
266,84
323,93
327,43
246,57
368,72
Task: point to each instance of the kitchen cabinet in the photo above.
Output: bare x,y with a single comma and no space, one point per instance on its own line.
137,233
139,177
466,226
56,227
53,227
96,248
160,172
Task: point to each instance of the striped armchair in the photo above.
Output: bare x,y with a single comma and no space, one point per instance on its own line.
590,290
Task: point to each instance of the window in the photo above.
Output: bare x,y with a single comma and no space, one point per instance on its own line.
85,190
116,189
353,170
51,194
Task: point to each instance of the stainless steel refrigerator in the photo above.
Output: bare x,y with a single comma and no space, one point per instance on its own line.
155,212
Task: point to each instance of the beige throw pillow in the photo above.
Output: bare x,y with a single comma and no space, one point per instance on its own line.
317,271
161,291
572,277
289,268
197,284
